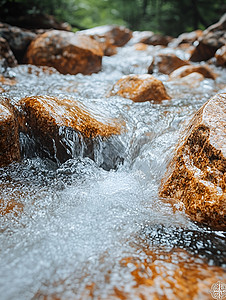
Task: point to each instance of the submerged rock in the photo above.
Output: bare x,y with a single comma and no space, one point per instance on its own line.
65,129
9,138
212,39
186,70
140,88
166,63
196,176
67,52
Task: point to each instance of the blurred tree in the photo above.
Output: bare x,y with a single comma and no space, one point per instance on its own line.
170,17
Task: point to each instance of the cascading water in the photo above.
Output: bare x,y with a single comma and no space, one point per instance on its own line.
80,222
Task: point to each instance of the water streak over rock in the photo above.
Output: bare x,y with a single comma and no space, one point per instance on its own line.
196,175
66,51
65,129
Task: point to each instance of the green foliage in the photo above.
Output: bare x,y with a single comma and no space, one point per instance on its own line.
170,17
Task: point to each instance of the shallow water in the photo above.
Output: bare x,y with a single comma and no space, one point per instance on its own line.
79,221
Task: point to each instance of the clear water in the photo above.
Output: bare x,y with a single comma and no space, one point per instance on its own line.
79,221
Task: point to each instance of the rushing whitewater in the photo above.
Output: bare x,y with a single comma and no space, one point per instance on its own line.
80,221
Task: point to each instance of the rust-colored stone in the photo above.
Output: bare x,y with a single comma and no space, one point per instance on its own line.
197,174
170,275
67,52
9,203
221,56
158,275
9,139
186,70
140,88
7,81
150,38
140,46
166,63
59,126
110,34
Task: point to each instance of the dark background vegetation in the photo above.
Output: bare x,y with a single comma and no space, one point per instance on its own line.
170,17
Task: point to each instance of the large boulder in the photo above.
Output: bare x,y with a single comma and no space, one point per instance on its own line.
9,138
65,129
196,175
18,39
140,88
186,70
166,63
68,52
212,39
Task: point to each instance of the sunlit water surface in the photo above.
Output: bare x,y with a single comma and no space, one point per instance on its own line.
79,221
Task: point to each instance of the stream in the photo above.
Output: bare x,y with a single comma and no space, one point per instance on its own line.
82,227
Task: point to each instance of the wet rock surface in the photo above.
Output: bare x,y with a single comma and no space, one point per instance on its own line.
7,58
196,175
166,63
17,38
140,88
64,129
68,52
9,139
150,38
110,34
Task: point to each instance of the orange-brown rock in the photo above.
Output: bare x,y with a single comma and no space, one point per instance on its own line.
154,275
65,129
186,70
169,275
9,138
7,81
166,63
111,34
140,46
9,202
196,176
67,52
150,38
212,39
140,88
221,56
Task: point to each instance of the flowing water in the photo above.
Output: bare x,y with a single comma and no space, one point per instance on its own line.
80,223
